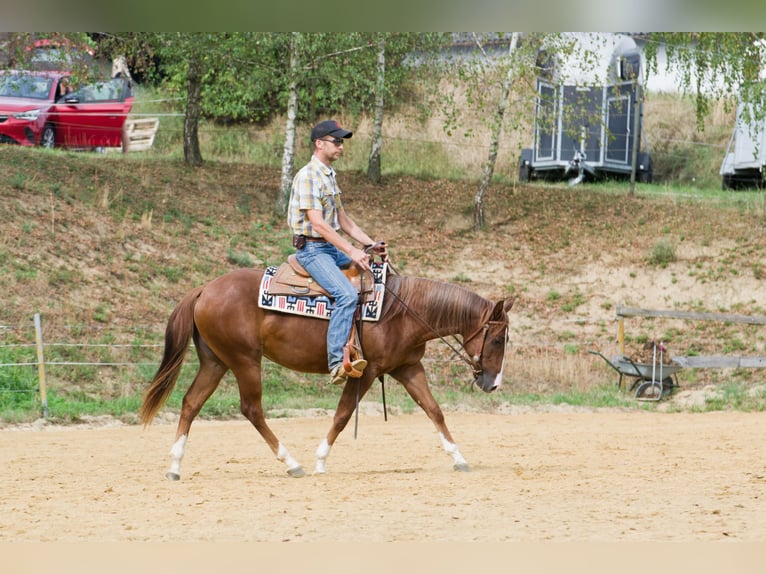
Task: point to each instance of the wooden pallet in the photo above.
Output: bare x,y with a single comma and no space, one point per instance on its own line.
140,132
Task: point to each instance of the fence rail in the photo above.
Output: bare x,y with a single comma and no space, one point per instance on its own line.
696,362
40,362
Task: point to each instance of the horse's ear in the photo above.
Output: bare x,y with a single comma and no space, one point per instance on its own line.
502,307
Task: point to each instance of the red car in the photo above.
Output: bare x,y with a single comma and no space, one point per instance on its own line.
40,108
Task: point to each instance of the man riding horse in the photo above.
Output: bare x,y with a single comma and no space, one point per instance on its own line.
316,217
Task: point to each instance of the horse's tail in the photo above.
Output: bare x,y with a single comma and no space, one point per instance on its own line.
177,335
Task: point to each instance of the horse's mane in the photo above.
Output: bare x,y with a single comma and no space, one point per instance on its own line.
441,304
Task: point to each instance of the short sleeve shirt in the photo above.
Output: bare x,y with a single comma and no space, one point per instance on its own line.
314,187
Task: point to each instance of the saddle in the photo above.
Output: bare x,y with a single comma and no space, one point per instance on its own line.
292,278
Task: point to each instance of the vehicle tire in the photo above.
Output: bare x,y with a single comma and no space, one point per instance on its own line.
525,172
48,137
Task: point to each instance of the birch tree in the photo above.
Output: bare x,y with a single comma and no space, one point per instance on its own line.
727,66
494,143
376,143
288,152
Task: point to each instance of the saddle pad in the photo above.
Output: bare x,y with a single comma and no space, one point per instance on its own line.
321,306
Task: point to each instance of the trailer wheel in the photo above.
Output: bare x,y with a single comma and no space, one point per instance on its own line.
644,177
525,172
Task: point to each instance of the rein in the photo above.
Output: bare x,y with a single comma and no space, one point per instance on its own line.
470,361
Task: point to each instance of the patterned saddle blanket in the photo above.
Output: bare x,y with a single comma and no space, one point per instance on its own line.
320,306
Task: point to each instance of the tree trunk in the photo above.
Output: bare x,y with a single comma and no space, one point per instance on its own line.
373,166
497,127
288,153
192,153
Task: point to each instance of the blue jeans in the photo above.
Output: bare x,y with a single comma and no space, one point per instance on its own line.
323,261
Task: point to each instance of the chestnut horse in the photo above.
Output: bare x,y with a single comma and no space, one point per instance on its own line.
231,331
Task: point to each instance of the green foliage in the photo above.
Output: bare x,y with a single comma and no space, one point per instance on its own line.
712,66
245,74
18,384
238,258
662,253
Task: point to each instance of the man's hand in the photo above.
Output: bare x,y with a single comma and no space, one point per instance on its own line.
379,248
360,258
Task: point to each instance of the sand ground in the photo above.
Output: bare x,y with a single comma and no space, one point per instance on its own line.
535,477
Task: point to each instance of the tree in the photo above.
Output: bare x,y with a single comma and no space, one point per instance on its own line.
496,128
488,79
288,155
349,78
194,71
713,66
376,143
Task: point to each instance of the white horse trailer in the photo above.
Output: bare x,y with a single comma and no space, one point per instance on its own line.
745,158
588,111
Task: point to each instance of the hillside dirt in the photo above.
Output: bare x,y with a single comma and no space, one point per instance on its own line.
108,260
111,257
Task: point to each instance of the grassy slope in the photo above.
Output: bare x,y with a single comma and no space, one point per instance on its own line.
104,246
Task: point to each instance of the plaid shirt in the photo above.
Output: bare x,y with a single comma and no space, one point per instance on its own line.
314,187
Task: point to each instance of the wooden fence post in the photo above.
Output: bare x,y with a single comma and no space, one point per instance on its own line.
41,365
621,335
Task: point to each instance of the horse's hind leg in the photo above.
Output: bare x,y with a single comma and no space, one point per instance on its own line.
250,393
413,377
205,383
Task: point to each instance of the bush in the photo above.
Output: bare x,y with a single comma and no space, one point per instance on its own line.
663,253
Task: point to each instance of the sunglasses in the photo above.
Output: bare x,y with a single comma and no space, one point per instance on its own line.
336,141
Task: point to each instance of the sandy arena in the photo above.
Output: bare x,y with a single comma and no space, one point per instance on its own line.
555,476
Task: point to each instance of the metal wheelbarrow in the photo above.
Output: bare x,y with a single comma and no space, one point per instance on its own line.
651,381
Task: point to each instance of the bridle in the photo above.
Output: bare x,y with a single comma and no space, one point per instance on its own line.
473,361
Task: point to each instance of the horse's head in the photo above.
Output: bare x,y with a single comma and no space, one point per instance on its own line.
487,348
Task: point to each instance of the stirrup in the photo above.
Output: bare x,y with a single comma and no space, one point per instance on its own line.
353,361
338,375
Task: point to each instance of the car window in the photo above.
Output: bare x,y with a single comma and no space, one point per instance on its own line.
19,86
111,90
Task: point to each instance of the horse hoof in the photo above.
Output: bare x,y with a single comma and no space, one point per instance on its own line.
296,472
172,476
462,467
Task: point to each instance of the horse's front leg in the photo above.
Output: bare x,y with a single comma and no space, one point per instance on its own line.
343,412
413,377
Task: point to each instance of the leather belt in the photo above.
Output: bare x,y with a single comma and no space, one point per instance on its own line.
316,239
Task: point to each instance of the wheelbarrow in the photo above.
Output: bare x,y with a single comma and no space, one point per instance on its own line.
651,381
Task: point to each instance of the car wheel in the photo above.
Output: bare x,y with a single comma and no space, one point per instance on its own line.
48,138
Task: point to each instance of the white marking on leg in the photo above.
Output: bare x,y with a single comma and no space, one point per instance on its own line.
176,455
451,448
284,456
323,451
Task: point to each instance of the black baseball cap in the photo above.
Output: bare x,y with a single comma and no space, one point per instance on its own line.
329,128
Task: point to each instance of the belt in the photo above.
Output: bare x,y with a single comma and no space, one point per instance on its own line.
317,239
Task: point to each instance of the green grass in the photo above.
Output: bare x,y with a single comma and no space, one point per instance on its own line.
286,392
